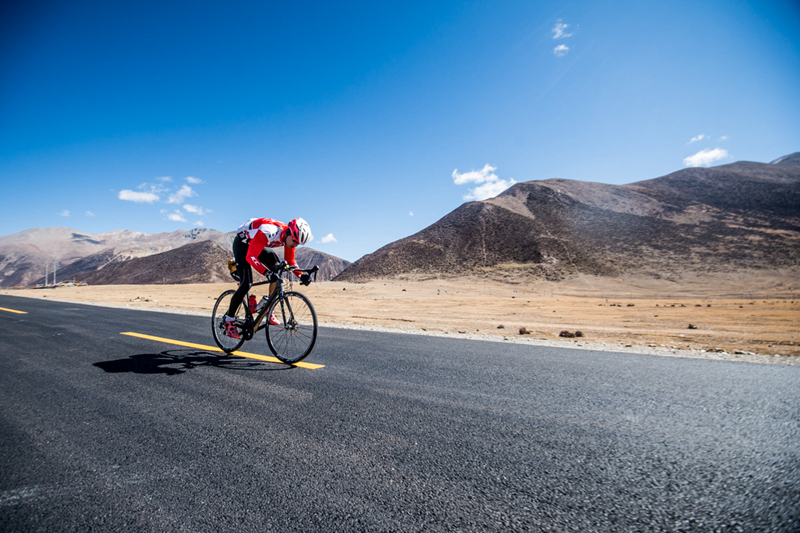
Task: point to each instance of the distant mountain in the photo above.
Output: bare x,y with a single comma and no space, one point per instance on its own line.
198,262
737,216
23,255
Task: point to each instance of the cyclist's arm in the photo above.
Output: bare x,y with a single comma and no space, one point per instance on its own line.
256,246
288,255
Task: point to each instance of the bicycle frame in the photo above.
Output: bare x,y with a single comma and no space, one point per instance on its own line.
277,293
253,326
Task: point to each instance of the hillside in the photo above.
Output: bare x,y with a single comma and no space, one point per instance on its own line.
23,255
83,256
200,262
738,216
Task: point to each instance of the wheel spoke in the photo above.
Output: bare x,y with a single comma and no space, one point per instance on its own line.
294,338
226,343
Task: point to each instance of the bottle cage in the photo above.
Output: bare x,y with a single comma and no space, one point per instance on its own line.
234,271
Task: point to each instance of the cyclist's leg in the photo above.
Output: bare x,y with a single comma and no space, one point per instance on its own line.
240,256
269,258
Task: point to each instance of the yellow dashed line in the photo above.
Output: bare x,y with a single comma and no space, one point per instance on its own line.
301,364
14,311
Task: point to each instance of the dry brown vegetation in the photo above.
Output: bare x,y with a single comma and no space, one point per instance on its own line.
727,313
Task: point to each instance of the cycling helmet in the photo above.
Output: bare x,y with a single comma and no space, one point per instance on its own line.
300,231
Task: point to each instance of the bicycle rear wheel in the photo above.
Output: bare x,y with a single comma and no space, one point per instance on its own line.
293,339
227,344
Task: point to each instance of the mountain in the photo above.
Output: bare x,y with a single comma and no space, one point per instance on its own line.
199,262
739,216
23,256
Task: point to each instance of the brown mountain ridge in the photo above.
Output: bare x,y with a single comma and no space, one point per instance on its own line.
742,215
199,262
121,257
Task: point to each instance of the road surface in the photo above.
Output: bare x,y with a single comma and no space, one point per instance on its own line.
101,431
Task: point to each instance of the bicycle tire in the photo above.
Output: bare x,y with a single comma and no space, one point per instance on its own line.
226,344
293,339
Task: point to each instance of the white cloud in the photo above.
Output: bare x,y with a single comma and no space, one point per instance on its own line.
89,214
183,193
475,176
723,138
194,181
175,216
561,50
199,223
489,190
138,197
560,30
411,213
698,138
64,213
197,210
705,157
149,193
328,238
490,184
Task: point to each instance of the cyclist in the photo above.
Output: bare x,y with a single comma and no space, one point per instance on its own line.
251,247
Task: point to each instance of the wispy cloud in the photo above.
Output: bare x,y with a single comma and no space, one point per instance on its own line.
183,193
161,190
197,210
328,238
698,138
64,213
490,184
89,214
411,213
560,30
561,50
175,216
705,157
138,196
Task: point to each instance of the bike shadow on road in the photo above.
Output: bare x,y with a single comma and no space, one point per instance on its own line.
173,362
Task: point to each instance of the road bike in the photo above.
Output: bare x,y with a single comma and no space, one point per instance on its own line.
292,339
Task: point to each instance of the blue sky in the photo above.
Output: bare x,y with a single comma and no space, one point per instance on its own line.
372,120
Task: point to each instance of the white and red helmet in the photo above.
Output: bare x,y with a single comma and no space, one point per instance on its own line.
300,231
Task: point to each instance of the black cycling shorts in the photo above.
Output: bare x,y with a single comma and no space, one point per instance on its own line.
267,257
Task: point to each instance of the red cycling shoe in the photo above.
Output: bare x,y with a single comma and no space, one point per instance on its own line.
231,330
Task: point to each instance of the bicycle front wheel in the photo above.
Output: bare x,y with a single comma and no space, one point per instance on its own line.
227,344
293,339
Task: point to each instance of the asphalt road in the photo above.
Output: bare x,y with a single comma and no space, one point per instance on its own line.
106,432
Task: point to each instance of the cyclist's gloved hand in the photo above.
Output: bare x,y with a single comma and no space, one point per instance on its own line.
305,279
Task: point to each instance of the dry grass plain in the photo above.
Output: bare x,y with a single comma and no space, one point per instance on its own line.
729,314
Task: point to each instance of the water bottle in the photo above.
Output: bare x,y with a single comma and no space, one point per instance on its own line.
261,304
252,303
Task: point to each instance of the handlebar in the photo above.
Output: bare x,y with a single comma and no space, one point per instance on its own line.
283,266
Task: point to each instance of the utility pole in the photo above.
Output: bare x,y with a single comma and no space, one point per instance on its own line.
47,272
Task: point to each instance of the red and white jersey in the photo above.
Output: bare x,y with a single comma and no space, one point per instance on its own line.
260,233
272,229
